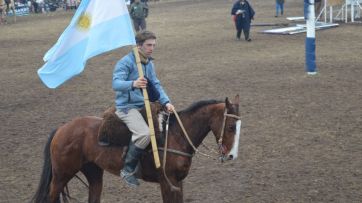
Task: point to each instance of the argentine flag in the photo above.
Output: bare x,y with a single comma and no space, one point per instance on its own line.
96,27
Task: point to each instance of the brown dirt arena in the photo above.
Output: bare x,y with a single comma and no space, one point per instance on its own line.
301,137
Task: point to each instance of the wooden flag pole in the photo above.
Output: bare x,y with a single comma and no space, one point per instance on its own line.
148,111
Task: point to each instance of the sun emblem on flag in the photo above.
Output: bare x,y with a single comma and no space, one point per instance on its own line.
84,21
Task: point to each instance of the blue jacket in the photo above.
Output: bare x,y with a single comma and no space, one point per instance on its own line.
125,72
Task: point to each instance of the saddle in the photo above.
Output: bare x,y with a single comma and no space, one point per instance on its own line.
113,132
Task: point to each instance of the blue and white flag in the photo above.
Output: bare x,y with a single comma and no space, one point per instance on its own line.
97,26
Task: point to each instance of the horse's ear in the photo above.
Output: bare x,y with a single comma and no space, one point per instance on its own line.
227,103
236,99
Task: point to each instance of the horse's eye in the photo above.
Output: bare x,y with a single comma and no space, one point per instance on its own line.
232,127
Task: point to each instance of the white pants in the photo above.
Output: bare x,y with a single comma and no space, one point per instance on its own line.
137,125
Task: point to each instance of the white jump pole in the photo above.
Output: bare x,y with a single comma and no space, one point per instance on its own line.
325,11
346,17
331,14
309,15
352,11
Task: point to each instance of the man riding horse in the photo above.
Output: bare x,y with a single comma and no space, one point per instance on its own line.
129,100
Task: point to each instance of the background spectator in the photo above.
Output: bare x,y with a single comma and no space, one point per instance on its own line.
279,6
242,13
139,13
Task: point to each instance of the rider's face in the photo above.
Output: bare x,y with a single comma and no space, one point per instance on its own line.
148,46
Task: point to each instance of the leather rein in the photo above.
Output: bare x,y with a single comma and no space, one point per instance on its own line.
165,149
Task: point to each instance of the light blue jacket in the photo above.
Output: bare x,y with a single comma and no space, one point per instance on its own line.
125,72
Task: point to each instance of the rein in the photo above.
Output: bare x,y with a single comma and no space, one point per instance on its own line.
165,149
188,138
173,188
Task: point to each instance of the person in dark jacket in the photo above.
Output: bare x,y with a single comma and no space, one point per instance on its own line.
144,1
242,13
139,13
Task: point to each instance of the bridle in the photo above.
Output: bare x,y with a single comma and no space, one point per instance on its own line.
222,133
219,142
165,149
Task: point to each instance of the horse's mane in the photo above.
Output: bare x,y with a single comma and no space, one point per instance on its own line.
193,108
197,105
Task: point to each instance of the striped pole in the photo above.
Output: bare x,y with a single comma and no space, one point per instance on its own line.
309,16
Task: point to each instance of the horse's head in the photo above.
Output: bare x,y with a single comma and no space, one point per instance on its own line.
227,130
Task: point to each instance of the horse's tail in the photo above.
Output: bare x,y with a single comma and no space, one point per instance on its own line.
42,193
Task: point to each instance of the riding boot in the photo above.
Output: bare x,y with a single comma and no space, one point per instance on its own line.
130,163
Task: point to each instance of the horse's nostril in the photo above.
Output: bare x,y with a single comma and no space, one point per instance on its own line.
231,157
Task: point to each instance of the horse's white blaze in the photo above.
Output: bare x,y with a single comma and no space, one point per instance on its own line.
234,150
160,120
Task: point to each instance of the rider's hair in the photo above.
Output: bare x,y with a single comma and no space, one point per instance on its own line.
144,35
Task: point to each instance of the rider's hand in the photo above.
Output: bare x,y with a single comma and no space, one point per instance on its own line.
141,82
170,108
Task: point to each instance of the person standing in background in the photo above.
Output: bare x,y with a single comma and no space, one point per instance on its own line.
2,12
139,13
242,14
279,6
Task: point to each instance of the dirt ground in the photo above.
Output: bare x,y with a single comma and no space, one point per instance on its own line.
301,136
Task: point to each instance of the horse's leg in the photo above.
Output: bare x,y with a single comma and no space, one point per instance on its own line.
61,176
168,195
57,186
94,175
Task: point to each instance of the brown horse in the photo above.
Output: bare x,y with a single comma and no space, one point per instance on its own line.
74,147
